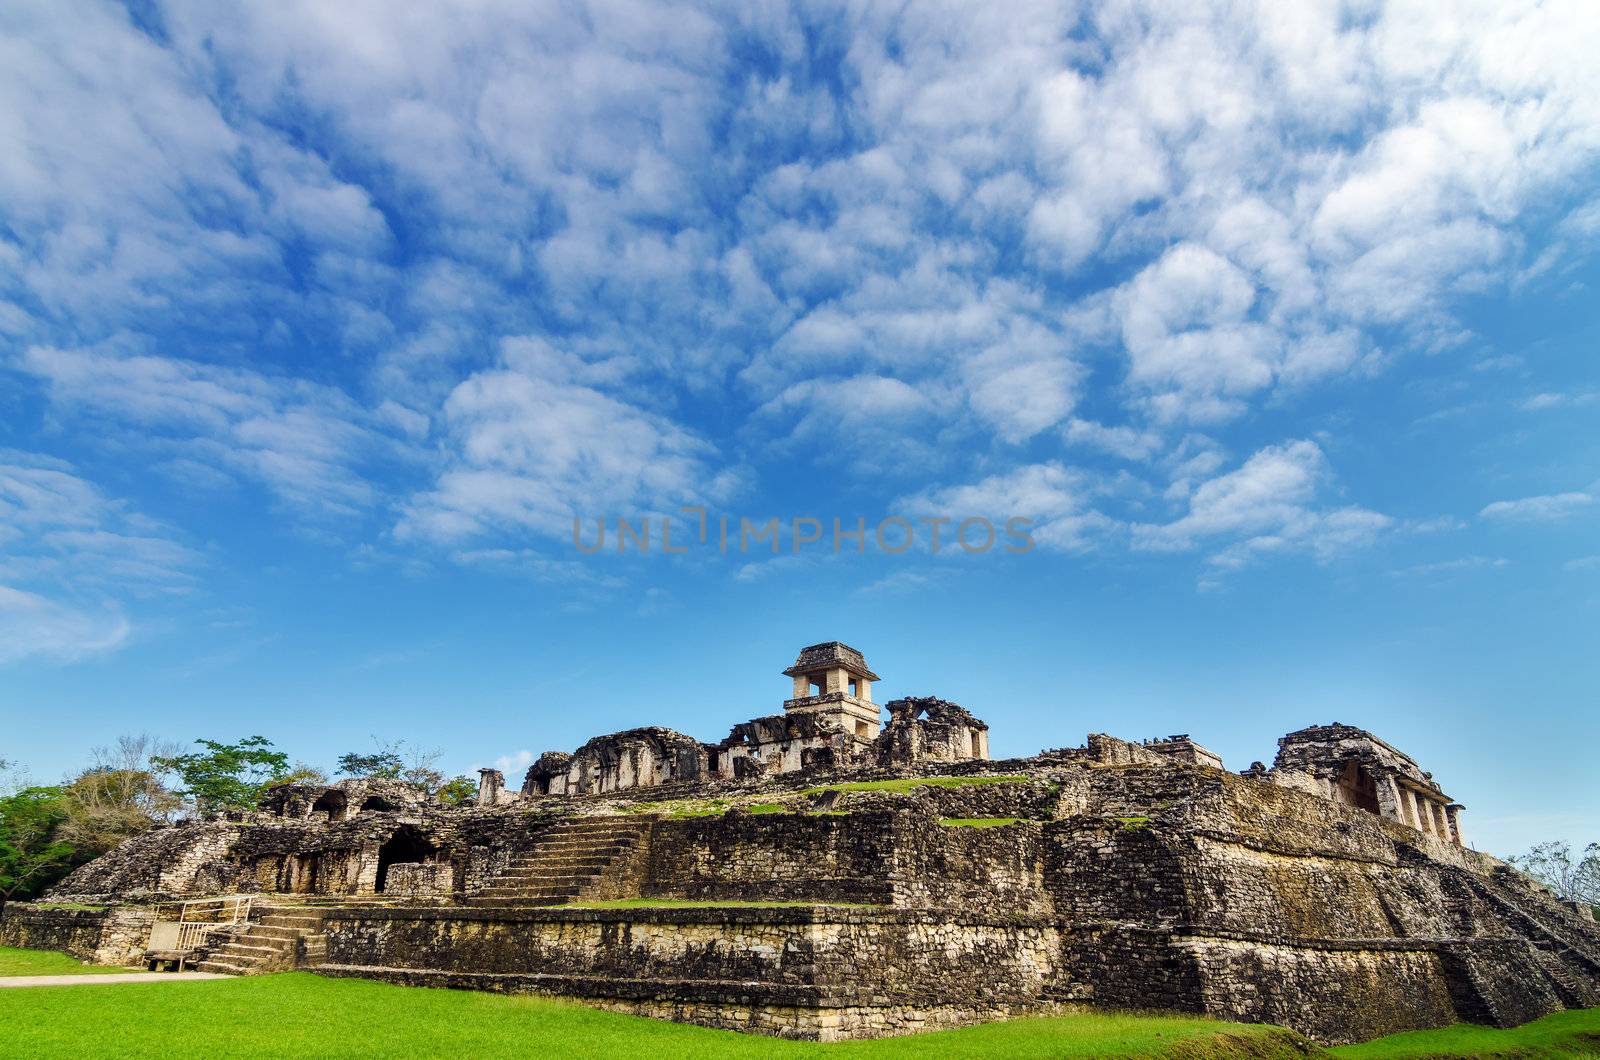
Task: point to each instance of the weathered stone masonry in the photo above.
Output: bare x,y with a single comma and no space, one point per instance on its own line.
1330,893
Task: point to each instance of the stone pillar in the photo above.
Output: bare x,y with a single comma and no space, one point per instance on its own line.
1454,812
1390,804
491,782
1440,821
1415,805
802,686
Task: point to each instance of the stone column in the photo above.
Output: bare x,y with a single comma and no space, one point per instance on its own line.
1417,821
1439,820
1389,802
1454,811
490,783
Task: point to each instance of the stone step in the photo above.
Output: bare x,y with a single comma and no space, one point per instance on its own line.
221,968
531,888
582,860
546,879
544,849
243,948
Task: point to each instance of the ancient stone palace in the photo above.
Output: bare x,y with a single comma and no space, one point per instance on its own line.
838,870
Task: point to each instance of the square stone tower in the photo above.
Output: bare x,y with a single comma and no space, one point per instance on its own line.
832,679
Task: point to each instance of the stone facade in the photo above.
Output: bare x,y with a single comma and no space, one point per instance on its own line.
830,723
929,885
1356,768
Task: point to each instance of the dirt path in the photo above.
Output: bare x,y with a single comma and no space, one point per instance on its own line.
112,977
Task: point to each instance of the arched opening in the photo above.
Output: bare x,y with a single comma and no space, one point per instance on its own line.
1357,787
378,804
332,803
407,846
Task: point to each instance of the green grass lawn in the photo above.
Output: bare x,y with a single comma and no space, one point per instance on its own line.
304,1015
909,783
48,962
1565,1034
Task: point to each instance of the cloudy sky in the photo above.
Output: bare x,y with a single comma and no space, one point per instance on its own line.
319,323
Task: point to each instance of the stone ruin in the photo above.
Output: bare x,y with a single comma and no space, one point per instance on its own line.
828,875
830,723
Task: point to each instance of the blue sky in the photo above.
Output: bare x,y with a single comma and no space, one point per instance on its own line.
320,323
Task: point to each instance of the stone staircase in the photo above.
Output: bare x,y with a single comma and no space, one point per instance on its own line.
276,939
574,860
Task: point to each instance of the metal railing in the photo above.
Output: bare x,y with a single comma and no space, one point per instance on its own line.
197,921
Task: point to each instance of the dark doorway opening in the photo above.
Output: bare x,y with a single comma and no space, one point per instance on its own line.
378,804
332,803
1358,788
404,847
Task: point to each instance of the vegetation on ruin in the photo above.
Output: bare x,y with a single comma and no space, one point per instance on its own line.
1572,877
910,783
685,903
300,1014
1134,824
47,962
978,822
1564,1034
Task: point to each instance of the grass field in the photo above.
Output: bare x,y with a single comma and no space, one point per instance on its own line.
1565,1034
47,962
304,1015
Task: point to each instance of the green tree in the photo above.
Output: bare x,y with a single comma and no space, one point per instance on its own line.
31,857
396,760
458,790
301,773
229,776
118,796
1572,878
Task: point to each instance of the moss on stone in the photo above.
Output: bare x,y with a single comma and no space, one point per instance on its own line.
912,783
978,822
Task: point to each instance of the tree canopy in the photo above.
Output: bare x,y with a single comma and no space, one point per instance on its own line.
229,776
31,854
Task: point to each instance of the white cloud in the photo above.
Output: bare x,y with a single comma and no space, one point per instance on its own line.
888,260
71,559
1125,442
1267,505
539,441
516,764
1055,498
1547,508
308,442
33,627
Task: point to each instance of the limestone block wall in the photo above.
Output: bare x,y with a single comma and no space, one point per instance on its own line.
999,870
755,857
875,963
115,936
166,861
1334,994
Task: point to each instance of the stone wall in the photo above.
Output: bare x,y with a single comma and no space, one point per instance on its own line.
801,972
113,936
767,857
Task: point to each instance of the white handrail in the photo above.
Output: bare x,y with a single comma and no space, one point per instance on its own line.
202,917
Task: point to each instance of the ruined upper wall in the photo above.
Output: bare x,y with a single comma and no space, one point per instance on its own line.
1354,767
